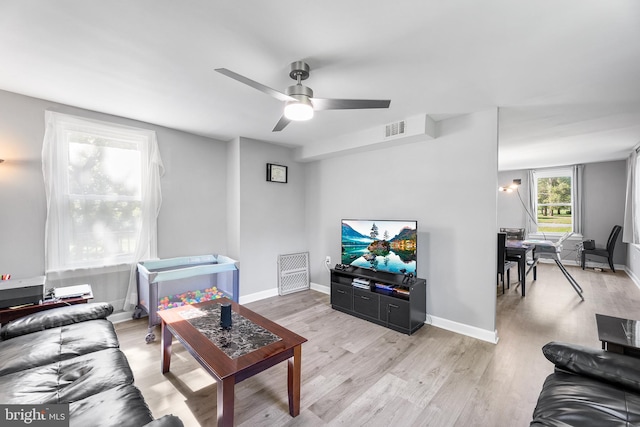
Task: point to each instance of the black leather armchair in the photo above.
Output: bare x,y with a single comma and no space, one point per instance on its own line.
70,355
590,387
606,252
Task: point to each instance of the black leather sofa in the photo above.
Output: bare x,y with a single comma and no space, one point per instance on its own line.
589,387
70,355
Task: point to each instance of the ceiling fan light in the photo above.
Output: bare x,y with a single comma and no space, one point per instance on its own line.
298,111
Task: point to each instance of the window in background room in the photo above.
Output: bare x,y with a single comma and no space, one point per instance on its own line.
103,193
631,228
634,200
555,204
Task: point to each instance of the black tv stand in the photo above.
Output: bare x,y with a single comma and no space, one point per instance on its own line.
392,300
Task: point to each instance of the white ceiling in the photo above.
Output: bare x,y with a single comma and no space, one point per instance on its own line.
564,73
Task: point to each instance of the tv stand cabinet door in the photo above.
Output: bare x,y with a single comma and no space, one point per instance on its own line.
396,312
342,296
366,303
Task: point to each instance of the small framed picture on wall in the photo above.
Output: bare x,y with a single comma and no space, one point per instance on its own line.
276,173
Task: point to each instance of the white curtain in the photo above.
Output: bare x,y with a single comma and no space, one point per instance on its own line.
54,166
576,190
151,201
532,203
630,232
52,160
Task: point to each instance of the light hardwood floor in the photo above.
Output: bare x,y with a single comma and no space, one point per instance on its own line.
356,373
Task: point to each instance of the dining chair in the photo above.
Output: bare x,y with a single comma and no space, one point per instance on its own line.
606,252
513,233
504,265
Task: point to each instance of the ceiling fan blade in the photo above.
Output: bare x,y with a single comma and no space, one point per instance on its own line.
282,123
262,88
348,104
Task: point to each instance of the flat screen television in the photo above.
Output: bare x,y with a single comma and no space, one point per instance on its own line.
380,245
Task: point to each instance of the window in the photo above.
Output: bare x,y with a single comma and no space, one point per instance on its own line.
555,207
631,229
103,193
556,195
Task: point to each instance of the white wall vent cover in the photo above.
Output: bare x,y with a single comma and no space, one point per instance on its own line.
394,129
293,273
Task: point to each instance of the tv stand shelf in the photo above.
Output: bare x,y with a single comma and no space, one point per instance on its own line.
401,303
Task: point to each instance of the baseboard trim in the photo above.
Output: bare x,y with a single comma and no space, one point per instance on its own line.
633,277
463,329
603,266
438,322
321,288
120,316
274,293
259,296
590,264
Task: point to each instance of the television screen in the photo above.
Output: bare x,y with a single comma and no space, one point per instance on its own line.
385,245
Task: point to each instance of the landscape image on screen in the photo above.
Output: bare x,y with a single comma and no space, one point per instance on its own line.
380,245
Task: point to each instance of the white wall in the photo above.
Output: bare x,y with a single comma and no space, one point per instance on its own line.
449,186
511,212
22,196
216,200
191,219
633,263
271,215
604,199
233,198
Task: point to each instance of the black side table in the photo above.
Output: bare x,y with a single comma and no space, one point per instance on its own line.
619,335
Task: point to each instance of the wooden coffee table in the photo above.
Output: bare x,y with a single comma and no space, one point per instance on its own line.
253,344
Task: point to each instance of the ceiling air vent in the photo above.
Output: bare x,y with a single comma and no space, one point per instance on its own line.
394,129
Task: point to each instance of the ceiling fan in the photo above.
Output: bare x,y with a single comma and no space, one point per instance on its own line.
299,99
